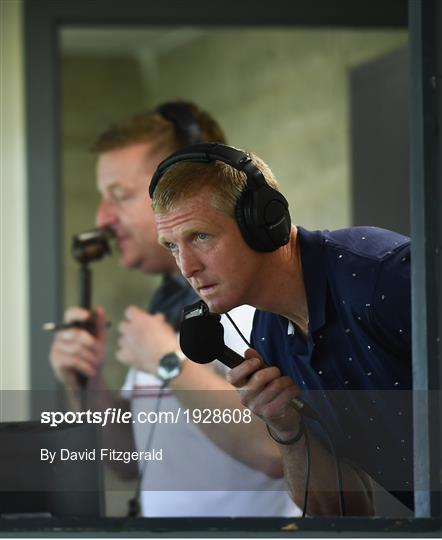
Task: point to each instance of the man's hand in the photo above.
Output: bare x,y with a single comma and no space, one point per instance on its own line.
145,339
267,393
74,350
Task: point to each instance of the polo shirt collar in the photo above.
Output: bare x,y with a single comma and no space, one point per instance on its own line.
311,245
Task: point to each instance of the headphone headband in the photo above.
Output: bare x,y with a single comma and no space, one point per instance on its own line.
180,114
206,153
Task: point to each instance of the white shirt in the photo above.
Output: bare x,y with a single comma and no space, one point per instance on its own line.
183,483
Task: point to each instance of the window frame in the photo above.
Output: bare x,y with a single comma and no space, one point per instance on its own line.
42,22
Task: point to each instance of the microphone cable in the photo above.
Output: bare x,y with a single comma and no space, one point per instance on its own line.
306,435
133,505
307,473
237,329
308,450
338,469
309,411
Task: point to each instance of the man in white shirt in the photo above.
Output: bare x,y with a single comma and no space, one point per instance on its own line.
208,469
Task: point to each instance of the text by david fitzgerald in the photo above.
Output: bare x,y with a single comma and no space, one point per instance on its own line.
102,454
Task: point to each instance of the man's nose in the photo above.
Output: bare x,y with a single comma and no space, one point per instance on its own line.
106,215
189,263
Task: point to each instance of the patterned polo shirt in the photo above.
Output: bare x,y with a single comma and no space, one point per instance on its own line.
354,367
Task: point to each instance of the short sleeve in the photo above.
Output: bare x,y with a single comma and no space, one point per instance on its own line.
392,301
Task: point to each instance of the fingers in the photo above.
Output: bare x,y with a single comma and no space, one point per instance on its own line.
270,401
144,339
76,313
71,349
131,317
132,312
65,364
268,395
76,340
123,353
138,321
252,353
75,351
265,391
260,384
239,376
100,321
98,316
277,407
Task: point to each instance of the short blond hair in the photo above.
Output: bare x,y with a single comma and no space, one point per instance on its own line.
187,178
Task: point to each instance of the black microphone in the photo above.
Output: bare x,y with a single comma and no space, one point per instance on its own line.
202,337
202,341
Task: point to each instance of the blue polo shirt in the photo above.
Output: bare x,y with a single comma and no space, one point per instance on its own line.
354,367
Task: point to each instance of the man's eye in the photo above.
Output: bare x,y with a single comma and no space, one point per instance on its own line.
202,236
119,195
171,246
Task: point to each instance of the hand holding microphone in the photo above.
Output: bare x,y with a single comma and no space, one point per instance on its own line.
78,348
77,351
270,395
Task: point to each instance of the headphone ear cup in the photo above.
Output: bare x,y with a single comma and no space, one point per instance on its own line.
276,216
243,219
263,218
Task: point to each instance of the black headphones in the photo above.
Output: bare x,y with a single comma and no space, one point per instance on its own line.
261,212
182,117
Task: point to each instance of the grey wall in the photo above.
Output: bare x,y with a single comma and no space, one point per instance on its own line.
379,141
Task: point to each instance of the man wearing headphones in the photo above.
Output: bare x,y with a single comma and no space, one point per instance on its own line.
330,372
207,469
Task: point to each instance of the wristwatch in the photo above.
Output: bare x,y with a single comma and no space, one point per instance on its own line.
171,365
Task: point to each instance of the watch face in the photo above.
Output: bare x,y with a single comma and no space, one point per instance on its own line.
170,367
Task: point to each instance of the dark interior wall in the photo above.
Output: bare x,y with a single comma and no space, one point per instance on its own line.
379,143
